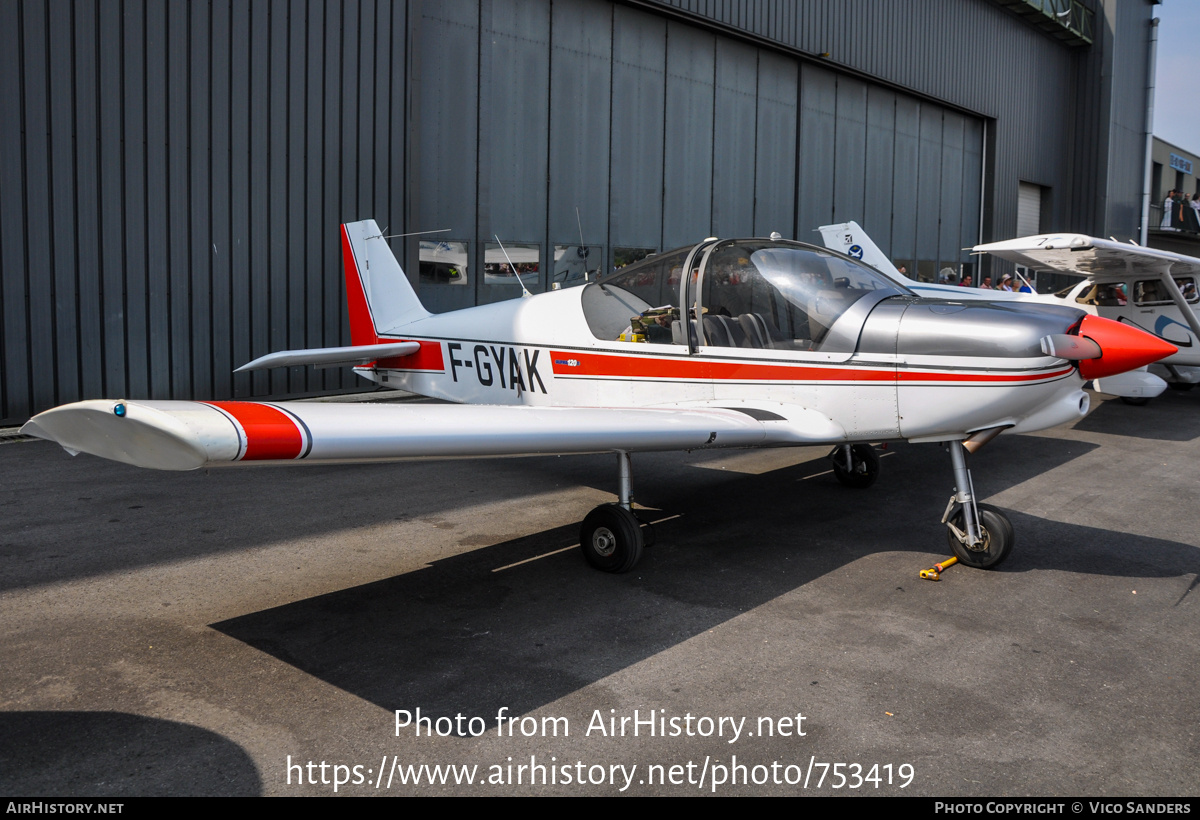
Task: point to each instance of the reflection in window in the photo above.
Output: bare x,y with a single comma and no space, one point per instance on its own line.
576,264
1154,292
443,262
1103,295
765,295
627,256
503,264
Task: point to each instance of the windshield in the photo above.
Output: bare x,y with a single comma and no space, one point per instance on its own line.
757,293
753,293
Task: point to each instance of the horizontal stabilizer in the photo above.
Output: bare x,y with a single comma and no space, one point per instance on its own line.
328,356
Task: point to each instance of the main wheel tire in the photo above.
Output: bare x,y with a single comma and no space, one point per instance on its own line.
1183,387
998,538
864,466
1135,401
611,538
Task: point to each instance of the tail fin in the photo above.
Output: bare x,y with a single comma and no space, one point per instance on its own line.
849,238
379,295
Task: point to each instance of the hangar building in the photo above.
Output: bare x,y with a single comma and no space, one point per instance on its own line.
172,174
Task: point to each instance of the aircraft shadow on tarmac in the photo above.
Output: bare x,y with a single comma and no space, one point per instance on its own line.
64,518
100,754
1173,416
473,632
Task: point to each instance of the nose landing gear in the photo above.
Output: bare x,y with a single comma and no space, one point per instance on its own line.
980,534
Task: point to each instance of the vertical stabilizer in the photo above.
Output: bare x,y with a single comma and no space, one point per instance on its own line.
849,238
379,295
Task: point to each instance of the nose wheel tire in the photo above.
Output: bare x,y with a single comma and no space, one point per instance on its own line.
998,538
611,538
864,466
1135,401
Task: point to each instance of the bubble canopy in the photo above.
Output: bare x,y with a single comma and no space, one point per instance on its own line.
747,293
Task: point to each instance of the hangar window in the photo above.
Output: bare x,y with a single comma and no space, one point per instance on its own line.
502,264
576,264
443,262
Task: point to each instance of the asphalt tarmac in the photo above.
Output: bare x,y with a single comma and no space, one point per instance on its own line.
254,631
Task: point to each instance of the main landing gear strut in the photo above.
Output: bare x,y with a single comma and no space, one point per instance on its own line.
855,465
980,534
612,537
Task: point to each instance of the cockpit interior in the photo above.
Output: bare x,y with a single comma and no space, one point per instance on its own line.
744,293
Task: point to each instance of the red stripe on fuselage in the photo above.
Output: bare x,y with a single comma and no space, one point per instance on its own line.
648,367
429,357
271,434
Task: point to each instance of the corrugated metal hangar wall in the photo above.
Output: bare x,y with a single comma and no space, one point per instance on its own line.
172,174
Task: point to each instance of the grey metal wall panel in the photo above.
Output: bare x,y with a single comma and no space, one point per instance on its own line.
688,147
342,159
294,202
62,197
905,203
775,152
158,184
850,154
110,255
240,210
985,59
580,106
514,135
313,249
972,181
39,231
950,201
880,146
448,119
639,97
177,311
817,146
15,383
87,217
929,182
223,205
196,379
734,139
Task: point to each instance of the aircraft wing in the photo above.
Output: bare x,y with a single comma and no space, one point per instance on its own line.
185,435
1104,261
1090,256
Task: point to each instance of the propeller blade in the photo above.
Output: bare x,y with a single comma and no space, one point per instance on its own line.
1073,348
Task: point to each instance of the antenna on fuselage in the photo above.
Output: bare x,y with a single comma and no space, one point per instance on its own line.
524,290
397,235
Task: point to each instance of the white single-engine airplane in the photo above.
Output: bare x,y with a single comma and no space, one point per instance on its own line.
1156,291
728,343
